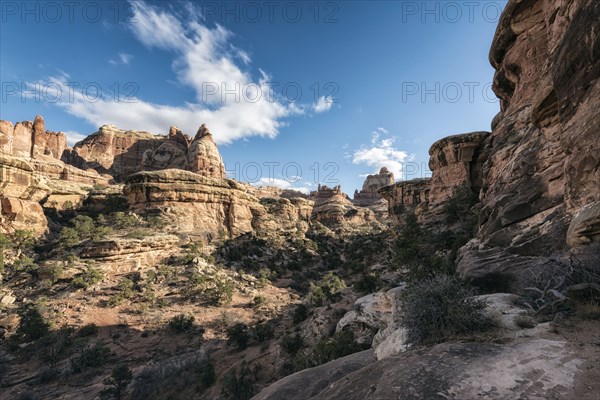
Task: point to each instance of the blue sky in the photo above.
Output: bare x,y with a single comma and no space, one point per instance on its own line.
317,92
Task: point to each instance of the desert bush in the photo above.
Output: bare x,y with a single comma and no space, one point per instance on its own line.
181,323
238,335
87,278
440,307
122,220
48,374
329,288
239,384
263,332
553,284
368,283
169,378
300,314
89,357
340,345
222,291
259,301
68,238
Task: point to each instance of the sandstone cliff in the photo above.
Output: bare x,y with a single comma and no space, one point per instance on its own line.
121,153
29,139
543,169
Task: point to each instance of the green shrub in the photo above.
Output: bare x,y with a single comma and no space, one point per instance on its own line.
182,323
259,301
68,238
55,345
89,357
440,307
238,335
122,220
174,378
329,288
239,385
87,278
222,292
84,225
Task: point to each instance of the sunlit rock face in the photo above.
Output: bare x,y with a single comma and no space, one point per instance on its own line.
369,194
29,139
544,165
121,153
22,190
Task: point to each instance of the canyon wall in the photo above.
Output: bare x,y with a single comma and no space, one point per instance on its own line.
538,172
541,178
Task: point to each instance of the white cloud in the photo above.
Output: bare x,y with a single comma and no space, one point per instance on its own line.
324,104
202,55
74,137
382,153
282,184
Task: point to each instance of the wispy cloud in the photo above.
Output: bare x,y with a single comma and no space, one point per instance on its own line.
202,56
122,58
324,104
382,153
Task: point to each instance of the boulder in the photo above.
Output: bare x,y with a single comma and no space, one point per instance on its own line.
309,382
535,369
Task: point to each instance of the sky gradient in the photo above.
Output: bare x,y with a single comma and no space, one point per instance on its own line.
295,93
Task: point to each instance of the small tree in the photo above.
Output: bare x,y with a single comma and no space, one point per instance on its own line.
32,325
118,382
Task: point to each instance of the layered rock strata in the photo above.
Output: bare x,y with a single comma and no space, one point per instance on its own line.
543,171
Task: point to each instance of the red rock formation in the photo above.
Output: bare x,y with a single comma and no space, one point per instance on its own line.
203,155
454,161
22,190
30,140
121,153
